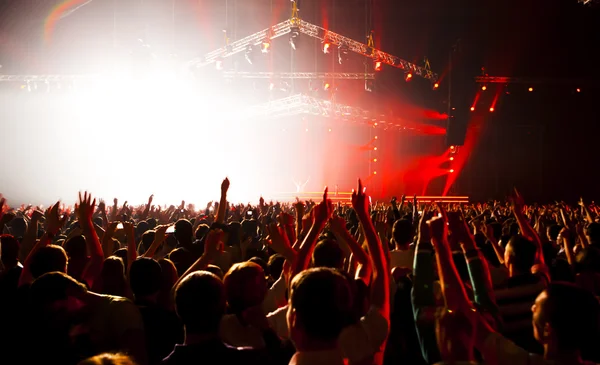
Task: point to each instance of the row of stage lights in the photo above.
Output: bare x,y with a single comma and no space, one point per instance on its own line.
492,107
342,54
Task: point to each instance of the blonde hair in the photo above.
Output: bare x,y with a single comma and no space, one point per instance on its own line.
108,359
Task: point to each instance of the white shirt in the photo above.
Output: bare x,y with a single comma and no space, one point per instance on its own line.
235,334
402,258
357,342
327,357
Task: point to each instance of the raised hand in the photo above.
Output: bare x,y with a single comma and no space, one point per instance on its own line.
102,206
337,224
85,207
54,222
213,245
455,334
360,200
323,210
438,226
225,186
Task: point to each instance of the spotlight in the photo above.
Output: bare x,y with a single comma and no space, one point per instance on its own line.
326,86
248,54
329,129
451,158
369,85
374,172
342,53
435,86
530,89
219,64
378,65
326,46
472,108
294,34
376,137
271,86
374,148
374,160
265,46
578,90
451,170
408,76
484,88
491,109
453,147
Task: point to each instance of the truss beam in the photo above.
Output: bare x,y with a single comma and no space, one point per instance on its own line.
317,32
300,104
44,78
301,75
531,81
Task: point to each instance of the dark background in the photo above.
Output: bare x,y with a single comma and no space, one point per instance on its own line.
544,142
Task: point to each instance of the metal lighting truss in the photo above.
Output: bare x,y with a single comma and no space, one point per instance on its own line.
320,33
45,78
525,80
304,104
301,75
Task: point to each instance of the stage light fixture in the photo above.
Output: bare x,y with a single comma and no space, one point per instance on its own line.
376,137
326,46
329,129
472,108
265,46
578,90
530,89
374,160
484,88
374,148
306,130
248,54
378,65
452,147
374,172
219,64
491,109
435,86
451,170
271,86
294,34
369,86
408,76
342,53
326,86
451,158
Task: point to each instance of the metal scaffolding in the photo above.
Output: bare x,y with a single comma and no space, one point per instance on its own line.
317,32
305,104
301,75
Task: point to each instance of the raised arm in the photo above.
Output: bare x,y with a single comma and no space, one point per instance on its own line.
380,294
85,211
223,202
322,212
454,292
338,227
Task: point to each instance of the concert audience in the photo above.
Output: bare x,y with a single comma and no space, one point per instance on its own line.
305,283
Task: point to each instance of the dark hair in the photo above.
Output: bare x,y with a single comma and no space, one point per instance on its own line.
9,248
275,263
215,270
147,239
183,230
200,302
402,232
322,301
54,286
553,231
145,276
241,286
76,247
48,259
112,277
593,230
328,253
523,253
573,313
